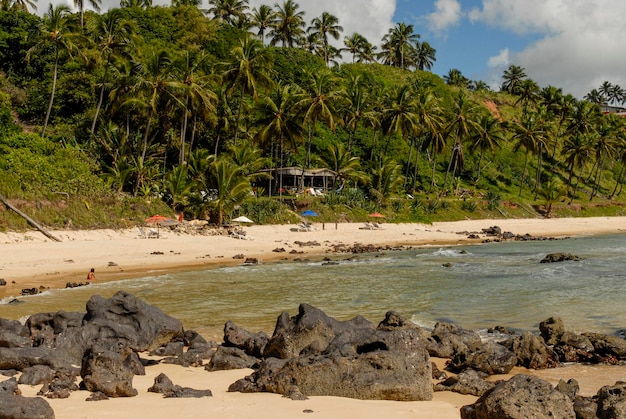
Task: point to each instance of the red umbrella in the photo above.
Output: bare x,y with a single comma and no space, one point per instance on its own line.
376,215
156,219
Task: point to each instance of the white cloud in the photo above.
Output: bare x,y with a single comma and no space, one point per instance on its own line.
500,60
581,41
447,13
370,18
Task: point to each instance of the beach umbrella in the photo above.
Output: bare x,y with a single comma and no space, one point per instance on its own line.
160,221
243,219
309,213
376,215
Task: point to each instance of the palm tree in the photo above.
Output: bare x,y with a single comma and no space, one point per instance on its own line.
18,5
263,18
605,91
319,104
528,92
594,96
354,44
552,191
228,11
386,179
248,70
355,100
81,7
112,35
156,81
617,94
58,30
196,95
289,24
577,150
323,26
226,185
512,77
487,137
278,120
456,78
398,116
530,134
398,44
424,56
479,86
611,128
462,125
247,156
135,4
345,165
178,186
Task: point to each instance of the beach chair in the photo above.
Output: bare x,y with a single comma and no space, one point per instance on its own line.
367,226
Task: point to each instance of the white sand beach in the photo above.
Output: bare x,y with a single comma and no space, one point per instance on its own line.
33,260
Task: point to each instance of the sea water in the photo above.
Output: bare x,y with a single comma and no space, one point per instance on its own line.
477,287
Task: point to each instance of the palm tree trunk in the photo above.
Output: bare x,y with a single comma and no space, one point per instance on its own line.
521,185
144,148
54,86
239,113
101,98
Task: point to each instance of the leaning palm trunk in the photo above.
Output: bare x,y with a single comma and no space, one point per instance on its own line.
101,98
54,86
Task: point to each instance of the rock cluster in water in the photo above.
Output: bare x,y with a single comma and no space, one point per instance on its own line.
309,354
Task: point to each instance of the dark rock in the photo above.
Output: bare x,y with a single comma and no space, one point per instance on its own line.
573,347
228,358
466,382
605,345
171,349
252,344
2,282
105,370
551,330
311,328
523,396
35,375
163,385
239,256
30,291
491,358
8,387
18,407
96,397
585,408
279,250
492,231
62,384
612,401
448,339
437,374
251,261
21,358
294,393
569,388
44,327
361,363
188,359
14,334
8,373
531,351
559,257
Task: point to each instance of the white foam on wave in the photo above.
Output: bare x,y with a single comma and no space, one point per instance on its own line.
447,252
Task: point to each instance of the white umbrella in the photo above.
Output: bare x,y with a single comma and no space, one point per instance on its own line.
243,219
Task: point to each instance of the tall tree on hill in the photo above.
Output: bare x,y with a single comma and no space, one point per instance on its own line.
135,4
248,70
18,5
356,107
230,185
228,11
81,8
289,25
57,29
263,18
112,35
610,131
512,78
462,124
424,56
487,137
530,133
279,121
353,44
319,104
577,150
324,26
398,116
398,44
456,78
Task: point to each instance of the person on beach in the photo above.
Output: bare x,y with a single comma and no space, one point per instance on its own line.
91,276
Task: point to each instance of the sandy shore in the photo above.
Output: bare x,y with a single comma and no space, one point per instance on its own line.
32,260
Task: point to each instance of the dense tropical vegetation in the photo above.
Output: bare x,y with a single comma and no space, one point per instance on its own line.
108,116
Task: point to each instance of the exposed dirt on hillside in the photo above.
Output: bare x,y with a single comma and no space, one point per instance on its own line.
493,108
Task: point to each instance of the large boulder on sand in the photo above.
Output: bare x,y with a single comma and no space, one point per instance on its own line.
15,406
311,329
491,358
448,339
107,371
523,396
531,351
389,363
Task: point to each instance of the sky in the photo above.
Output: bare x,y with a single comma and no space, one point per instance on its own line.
571,44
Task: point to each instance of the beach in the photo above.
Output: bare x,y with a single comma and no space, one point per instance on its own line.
32,260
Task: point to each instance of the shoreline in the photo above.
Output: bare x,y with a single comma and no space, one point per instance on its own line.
31,260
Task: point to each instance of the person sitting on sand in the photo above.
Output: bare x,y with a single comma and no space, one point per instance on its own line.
91,276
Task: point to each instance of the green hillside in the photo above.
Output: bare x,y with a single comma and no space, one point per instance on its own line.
143,110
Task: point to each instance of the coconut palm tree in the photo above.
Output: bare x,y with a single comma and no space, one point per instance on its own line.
605,91
319,103
228,11
487,137
324,26
263,18
135,4
386,179
226,186
424,56
552,191
398,44
578,150
354,43
398,115
248,70
279,122
512,78
345,165
530,133
594,96
609,131
58,30
112,34
81,8
456,78
289,25
18,5
356,109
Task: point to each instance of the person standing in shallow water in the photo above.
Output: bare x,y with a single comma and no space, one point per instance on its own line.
91,276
